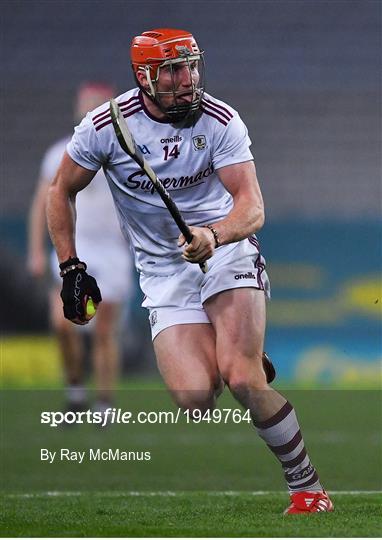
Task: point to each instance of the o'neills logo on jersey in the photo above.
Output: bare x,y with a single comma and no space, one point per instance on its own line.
134,181
177,138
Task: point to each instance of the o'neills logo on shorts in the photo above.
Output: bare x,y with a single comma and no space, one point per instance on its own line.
135,181
248,275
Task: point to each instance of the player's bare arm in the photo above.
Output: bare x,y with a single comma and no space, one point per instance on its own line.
247,214
70,179
78,287
245,218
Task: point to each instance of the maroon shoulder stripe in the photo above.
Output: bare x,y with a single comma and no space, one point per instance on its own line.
134,98
100,126
123,110
218,118
218,106
100,122
107,111
125,115
130,112
216,110
102,116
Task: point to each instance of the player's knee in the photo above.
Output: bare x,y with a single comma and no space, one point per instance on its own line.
242,374
192,400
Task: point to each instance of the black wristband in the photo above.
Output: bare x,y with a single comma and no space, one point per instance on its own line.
70,264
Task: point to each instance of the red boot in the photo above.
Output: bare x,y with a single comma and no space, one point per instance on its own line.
305,502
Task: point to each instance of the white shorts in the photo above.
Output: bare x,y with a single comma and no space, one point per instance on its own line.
179,298
111,267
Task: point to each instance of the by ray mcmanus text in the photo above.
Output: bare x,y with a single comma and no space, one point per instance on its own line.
93,454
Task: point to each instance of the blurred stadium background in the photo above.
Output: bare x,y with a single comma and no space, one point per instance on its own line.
305,77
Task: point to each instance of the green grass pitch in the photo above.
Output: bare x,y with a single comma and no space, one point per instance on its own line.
202,480
185,514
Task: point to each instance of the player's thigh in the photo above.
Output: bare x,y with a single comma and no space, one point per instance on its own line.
238,317
186,358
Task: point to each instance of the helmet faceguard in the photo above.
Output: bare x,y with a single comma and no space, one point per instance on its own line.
170,52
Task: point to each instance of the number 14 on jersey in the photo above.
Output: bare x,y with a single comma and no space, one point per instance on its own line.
171,152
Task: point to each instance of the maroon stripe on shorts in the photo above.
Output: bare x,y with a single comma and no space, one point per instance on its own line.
276,418
287,447
260,269
254,241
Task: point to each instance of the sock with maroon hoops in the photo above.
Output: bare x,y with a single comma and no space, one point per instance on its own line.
283,436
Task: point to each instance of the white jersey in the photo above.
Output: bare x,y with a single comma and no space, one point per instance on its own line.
185,159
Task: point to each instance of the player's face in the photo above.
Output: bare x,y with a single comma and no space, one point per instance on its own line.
180,81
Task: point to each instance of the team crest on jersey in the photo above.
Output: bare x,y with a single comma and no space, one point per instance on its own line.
200,142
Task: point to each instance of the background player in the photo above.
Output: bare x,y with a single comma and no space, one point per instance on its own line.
99,236
207,328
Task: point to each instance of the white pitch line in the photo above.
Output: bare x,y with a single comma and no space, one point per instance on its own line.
171,493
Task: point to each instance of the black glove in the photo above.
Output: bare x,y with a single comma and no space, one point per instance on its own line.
77,287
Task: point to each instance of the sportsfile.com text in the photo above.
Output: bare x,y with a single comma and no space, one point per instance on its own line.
118,416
